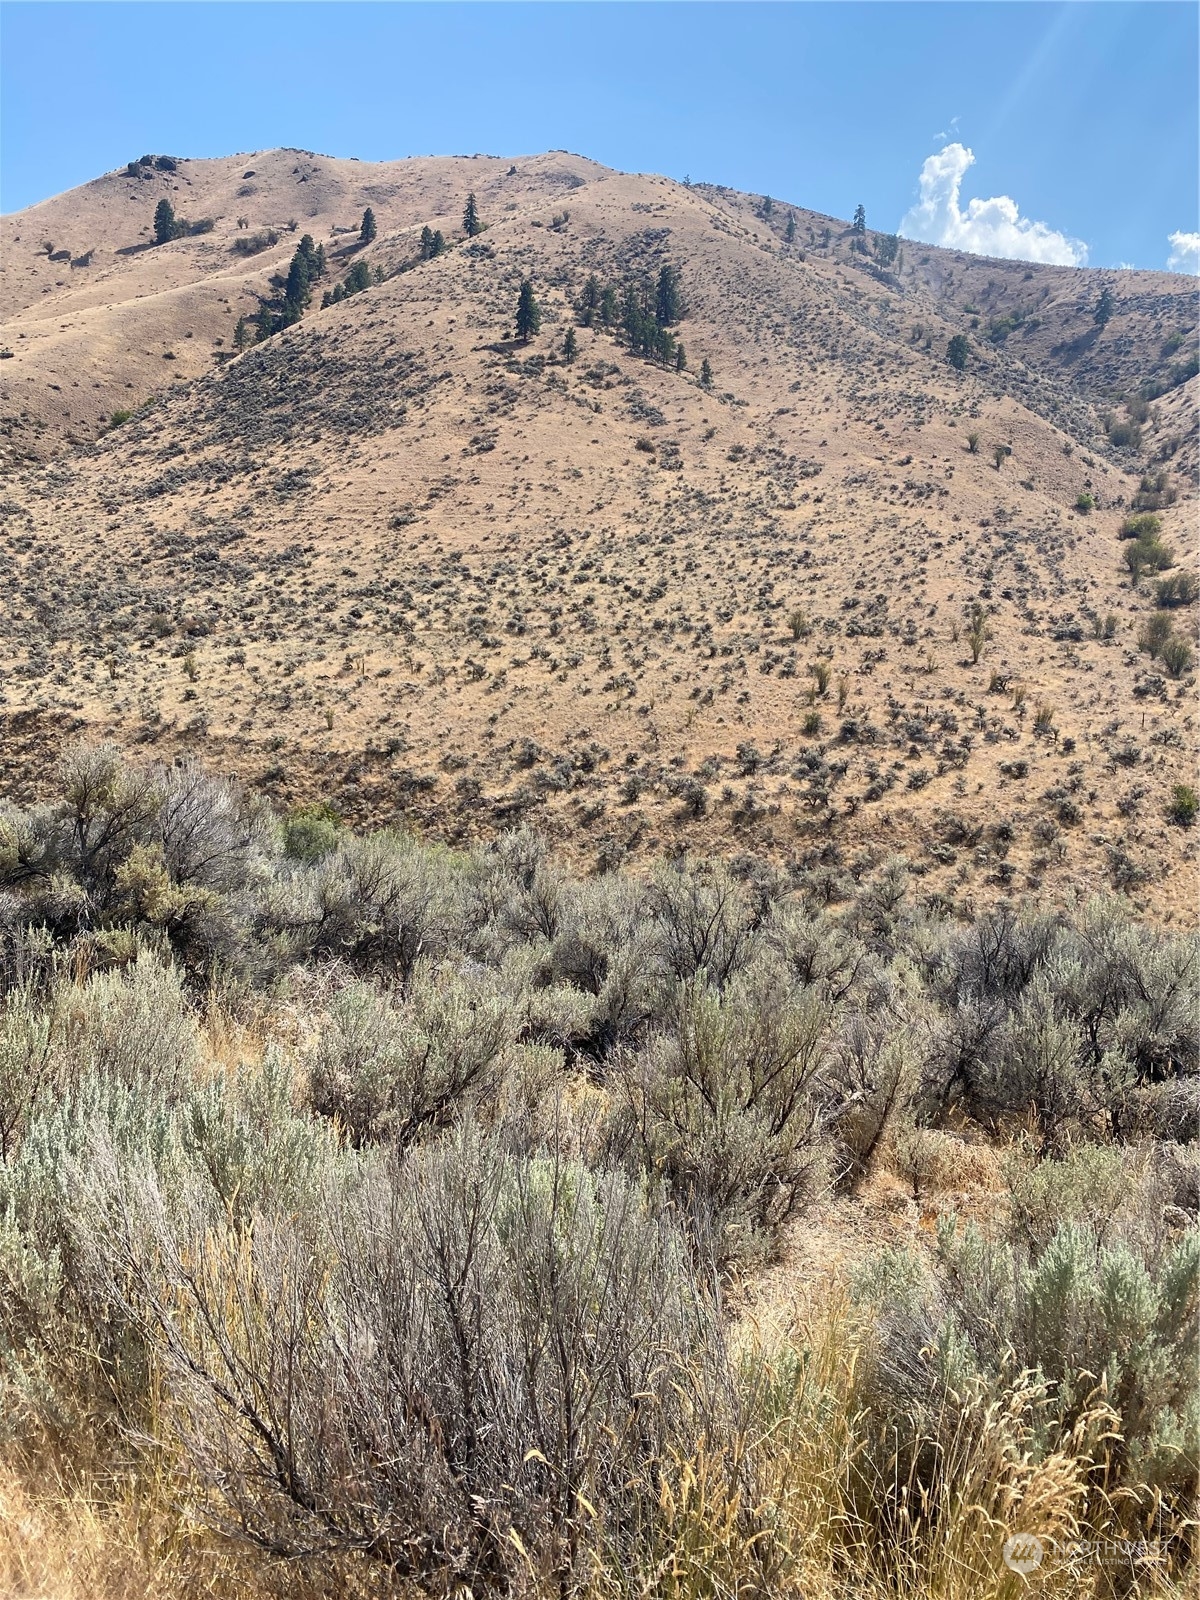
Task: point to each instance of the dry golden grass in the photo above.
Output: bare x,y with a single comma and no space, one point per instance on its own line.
794,1511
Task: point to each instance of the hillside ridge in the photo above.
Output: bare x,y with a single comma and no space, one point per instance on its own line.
846,602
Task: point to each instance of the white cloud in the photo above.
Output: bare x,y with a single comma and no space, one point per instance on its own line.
987,227
1185,252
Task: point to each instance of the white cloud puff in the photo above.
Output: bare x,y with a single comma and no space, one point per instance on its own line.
987,227
1185,252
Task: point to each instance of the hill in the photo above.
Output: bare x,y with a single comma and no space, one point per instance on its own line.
845,603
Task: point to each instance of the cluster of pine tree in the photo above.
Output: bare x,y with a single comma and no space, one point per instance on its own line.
356,280
307,266
433,242
599,307
645,313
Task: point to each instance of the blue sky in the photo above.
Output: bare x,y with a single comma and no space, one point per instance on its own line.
1080,118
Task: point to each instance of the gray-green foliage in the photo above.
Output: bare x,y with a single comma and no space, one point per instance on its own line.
389,1067
426,1359
1118,1317
1085,1286
723,1106
418,1274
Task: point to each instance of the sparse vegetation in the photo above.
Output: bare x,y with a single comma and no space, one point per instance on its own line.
253,244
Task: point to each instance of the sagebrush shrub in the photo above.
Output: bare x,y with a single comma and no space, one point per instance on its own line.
388,1067
378,1201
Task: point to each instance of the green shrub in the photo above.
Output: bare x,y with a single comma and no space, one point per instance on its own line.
1148,555
312,831
1183,805
1124,433
1177,655
1154,634
1108,1327
1180,589
721,1108
253,244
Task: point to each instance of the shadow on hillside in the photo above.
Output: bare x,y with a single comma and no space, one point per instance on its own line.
1072,349
136,249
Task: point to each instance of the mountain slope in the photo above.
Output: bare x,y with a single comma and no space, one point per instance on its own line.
91,306
395,559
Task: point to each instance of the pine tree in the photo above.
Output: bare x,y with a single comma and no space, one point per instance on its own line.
590,303
241,334
609,309
570,346
631,317
957,351
680,359
301,274
706,374
366,234
358,278
471,222
768,206
790,235
667,301
529,313
1105,307
860,220
165,226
